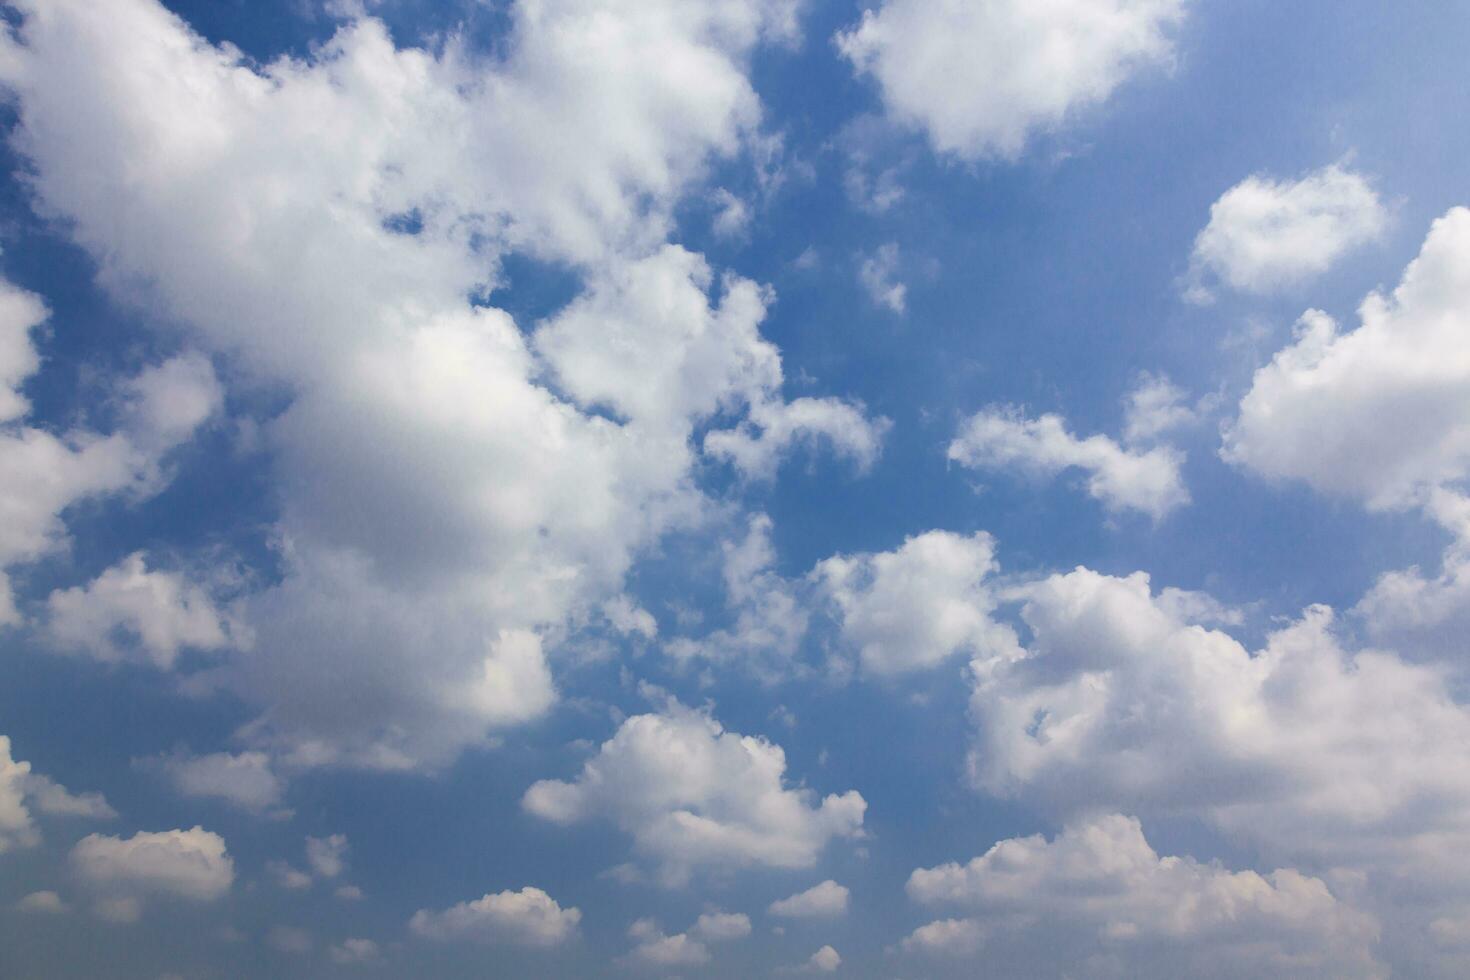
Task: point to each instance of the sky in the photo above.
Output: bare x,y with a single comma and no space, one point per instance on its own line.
730,488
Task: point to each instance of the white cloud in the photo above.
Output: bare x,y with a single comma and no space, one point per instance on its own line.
980,79
916,606
1266,235
484,503
824,960
351,951
693,795
878,273
293,879
42,473
1153,407
1144,480
188,864
1381,414
131,612
722,926
21,789
1100,886
45,902
1318,757
327,856
529,917
756,446
658,950
245,780
827,900
771,617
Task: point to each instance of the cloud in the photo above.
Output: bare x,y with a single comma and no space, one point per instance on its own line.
21,789
1153,407
351,951
689,948
129,612
1380,414
290,940
529,917
1316,756
493,497
878,274
327,856
245,780
1148,481
1267,235
827,900
980,79
187,864
914,607
42,473
693,795
824,960
45,903
1099,886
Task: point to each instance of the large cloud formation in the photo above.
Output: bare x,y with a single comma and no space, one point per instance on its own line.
444,480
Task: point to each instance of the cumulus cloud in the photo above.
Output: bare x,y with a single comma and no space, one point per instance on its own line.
192,865
1266,235
1121,478
131,612
493,497
22,790
245,780
43,902
1380,414
529,917
980,79
827,900
1318,756
916,606
43,473
327,856
1099,887
689,948
1153,407
824,960
693,795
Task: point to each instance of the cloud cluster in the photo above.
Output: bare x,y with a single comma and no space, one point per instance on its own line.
1121,477
23,790
1099,885
1265,235
529,917
694,796
490,494
980,79
191,865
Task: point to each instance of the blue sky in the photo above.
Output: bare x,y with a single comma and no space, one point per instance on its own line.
734,488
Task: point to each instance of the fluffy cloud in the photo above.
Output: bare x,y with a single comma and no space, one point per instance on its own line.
130,611
824,960
981,78
42,473
188,864
22,790
245,780
686,948
916,606
353,951
45,902
491,494
1317,756
693,795
1121,478
1155,406
1380,414
1099,886
1265,235
827,900
529,917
